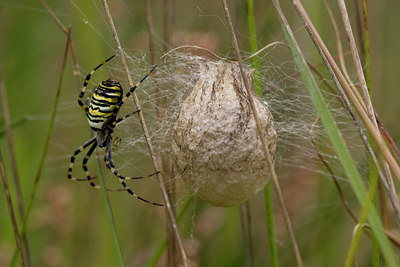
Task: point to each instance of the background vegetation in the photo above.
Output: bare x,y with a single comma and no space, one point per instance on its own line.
68,224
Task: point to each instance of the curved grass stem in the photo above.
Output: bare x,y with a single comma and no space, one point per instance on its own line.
330,125
262,138
170,212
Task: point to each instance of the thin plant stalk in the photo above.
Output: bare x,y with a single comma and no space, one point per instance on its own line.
17,184
357,62
385,179
363,217
354,243
150,30
344,86
269,211
380,143
65,30
10,142
334,134
163,243
330,170
11,211
253,44
245,222
167,23
109,212
48,135
167,17
366,46
46,143
147,137
262,138
364,42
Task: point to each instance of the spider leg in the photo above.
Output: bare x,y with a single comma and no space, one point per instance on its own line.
85,169
85,160
76,153
85,83
88,177
110,164
118,106
123,118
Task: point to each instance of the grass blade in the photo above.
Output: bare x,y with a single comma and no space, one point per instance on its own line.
109,213
163,243
11,211
16,179
46,143
269,211
267,155
336,138
168,206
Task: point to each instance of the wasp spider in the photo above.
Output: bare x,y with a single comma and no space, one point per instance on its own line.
101,111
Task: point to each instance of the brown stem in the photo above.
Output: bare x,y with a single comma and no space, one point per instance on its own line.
11,211
150,30
262,138
339,76
146,135
65,30
17,184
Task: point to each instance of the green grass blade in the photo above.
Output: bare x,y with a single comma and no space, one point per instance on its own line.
163,243
253,45
373,171
273,252
337,141
269,211
110,215
356,240
45,147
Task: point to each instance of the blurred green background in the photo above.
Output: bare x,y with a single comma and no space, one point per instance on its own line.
68,225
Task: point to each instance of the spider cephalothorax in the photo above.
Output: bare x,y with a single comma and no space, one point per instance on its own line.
101,111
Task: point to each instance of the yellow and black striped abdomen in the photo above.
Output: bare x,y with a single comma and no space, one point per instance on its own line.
103,103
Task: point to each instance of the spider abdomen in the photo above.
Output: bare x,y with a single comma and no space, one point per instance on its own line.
103,103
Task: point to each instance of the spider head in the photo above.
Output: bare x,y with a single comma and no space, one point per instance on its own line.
110,83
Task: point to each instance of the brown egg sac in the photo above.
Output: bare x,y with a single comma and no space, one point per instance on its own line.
215,143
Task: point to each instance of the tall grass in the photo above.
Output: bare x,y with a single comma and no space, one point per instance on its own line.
132,234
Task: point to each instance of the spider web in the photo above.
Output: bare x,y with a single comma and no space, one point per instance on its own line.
161,96
163,93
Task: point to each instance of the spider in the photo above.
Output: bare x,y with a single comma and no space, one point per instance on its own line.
101,111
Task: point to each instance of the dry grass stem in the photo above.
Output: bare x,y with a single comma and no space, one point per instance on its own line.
111,218
17,184
341,55
389,189
47,138
150,30
357,62
65,30
221,58
388,176
11,211
147,136
364,117
247,235
167,17
195,47
265,48
328,167
10,143
262,138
